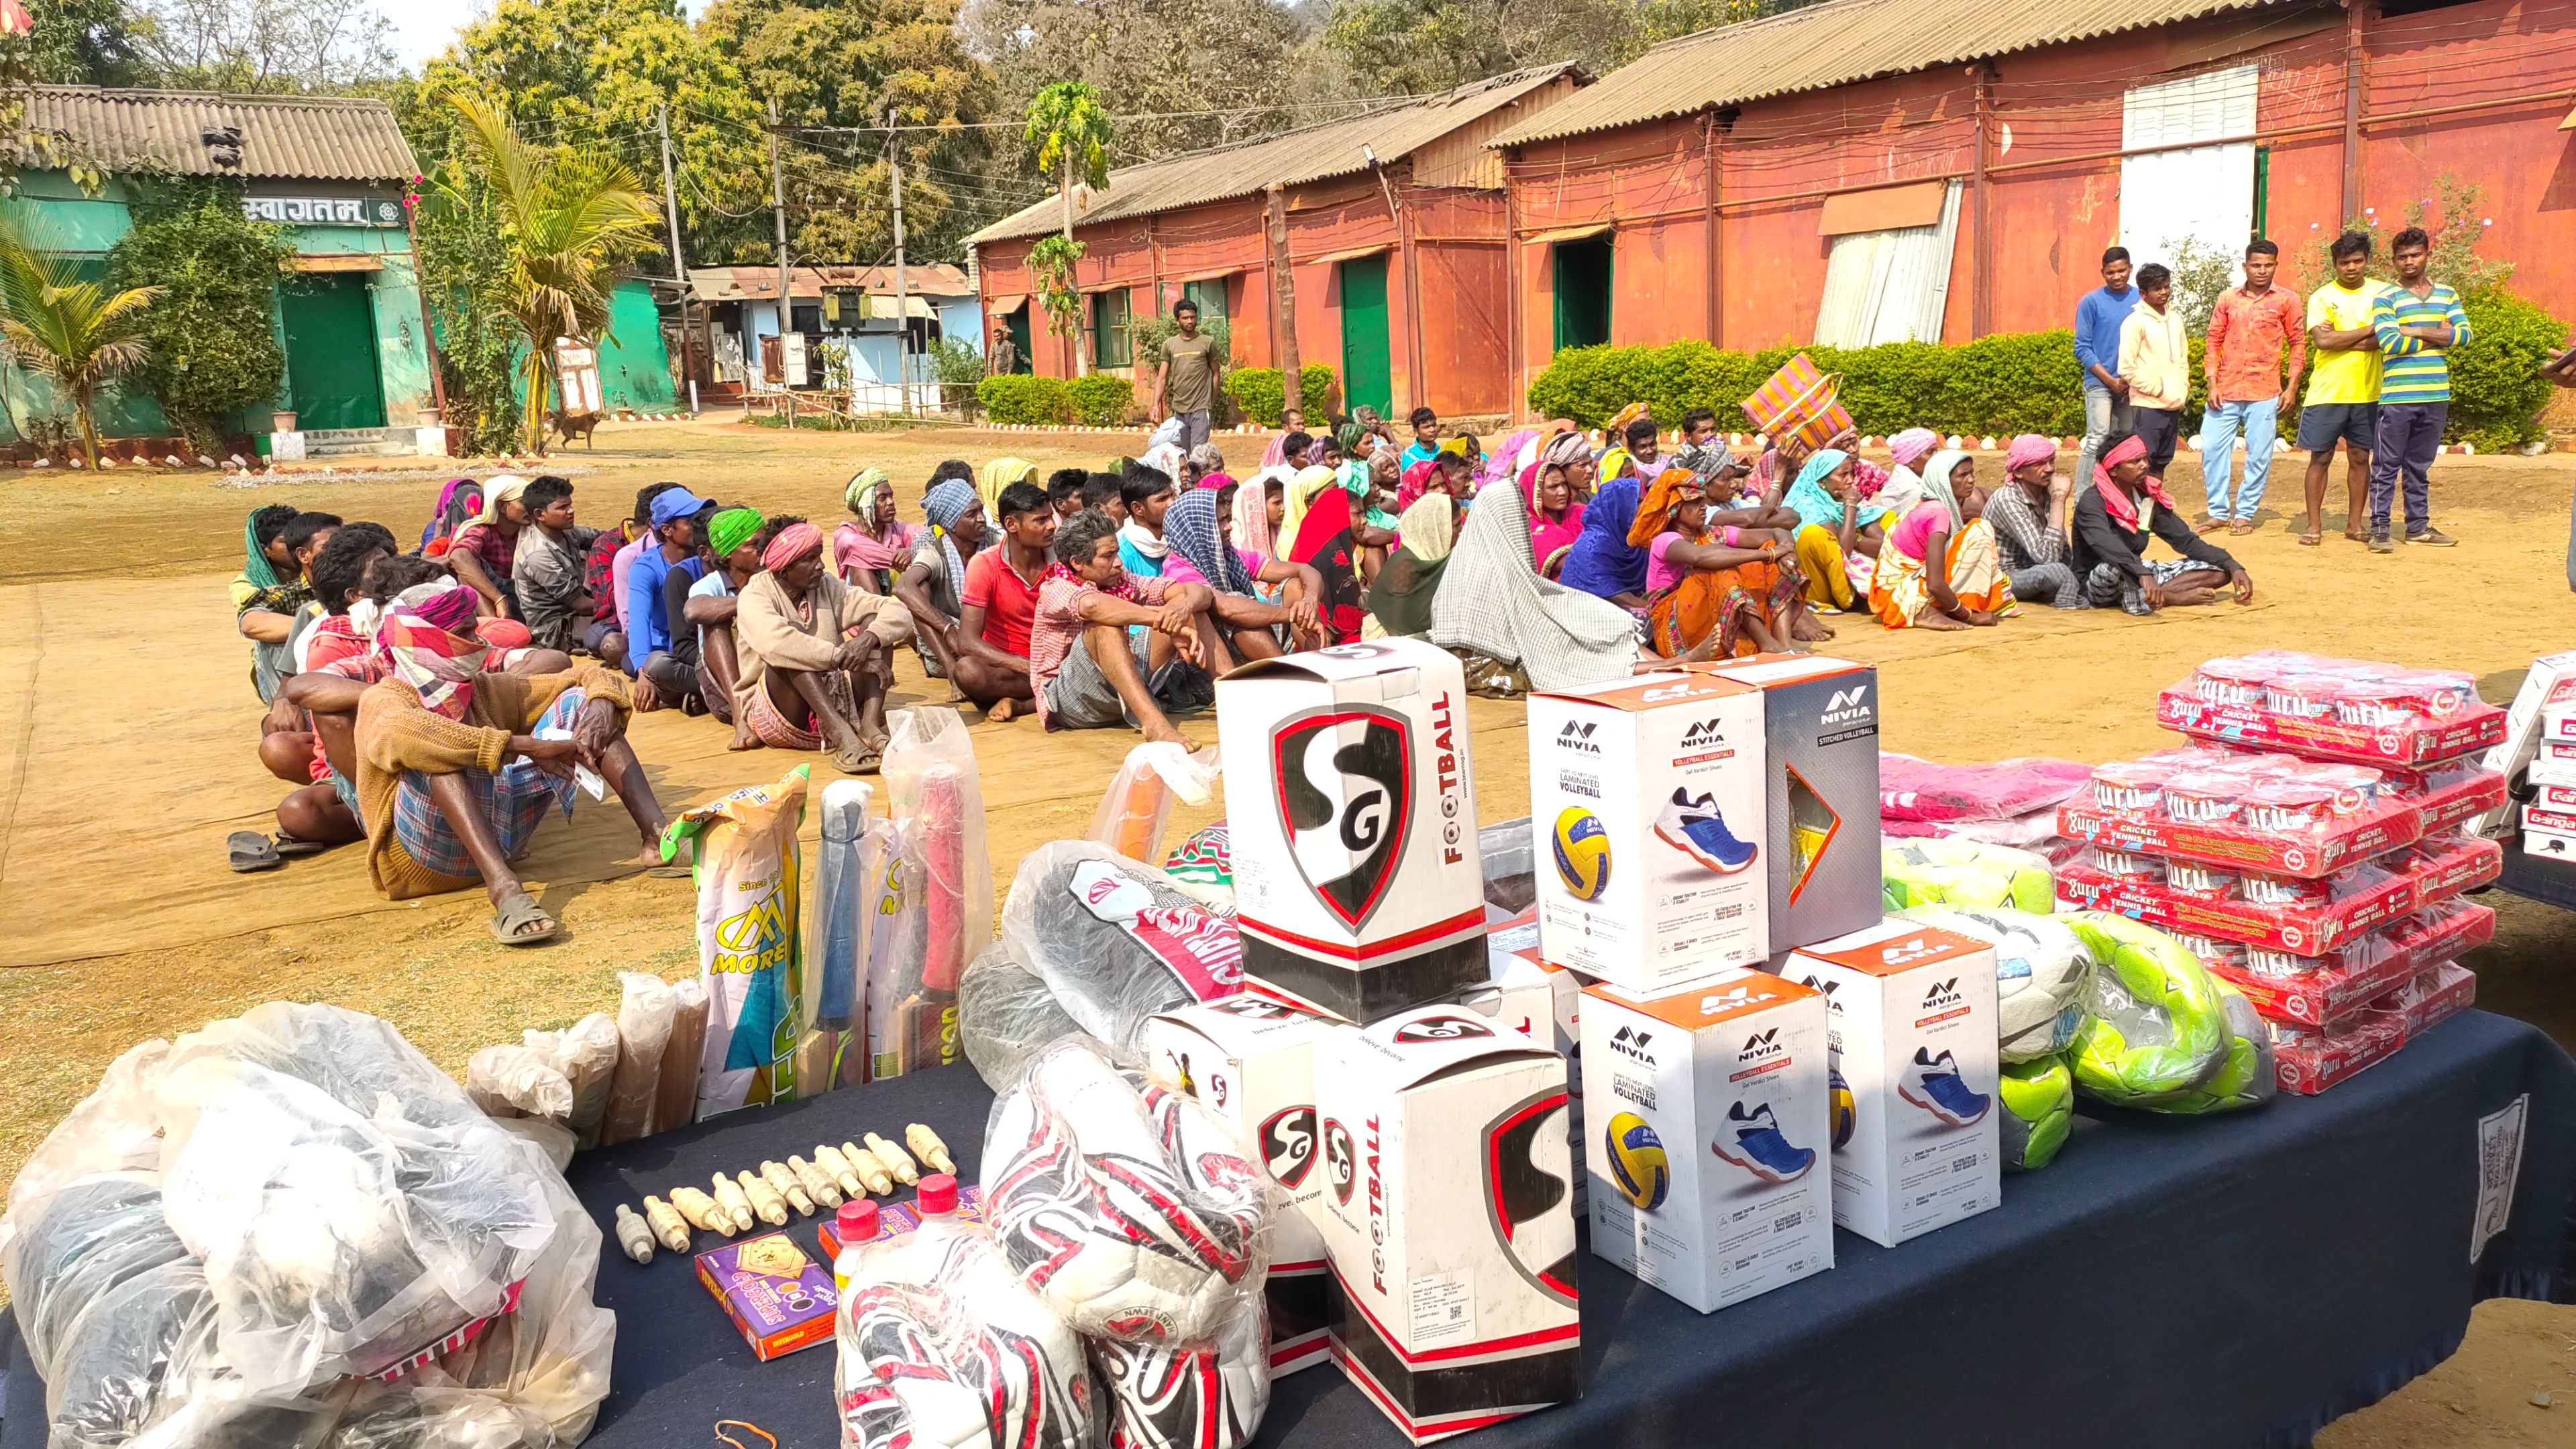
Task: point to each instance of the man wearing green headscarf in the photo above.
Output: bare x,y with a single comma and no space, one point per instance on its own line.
706,616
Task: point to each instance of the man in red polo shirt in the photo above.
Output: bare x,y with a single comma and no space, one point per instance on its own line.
1001,597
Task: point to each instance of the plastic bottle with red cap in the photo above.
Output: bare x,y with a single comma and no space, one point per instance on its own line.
856,1226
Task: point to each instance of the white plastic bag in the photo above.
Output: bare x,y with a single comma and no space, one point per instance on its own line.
933,787
1138,802
645,1007
1116,940
586,1054
518,1081
1005,1013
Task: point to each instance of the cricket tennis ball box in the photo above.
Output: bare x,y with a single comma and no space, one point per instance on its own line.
1352,806
1251,1060
1647,796
1448,1219
1709,1153
1910,1021
1820,784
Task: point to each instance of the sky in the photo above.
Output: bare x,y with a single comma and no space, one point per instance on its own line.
422,28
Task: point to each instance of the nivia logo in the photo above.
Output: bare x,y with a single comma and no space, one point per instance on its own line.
1943,993
1727,1000
1847,706
1898,953
1577,736
1629,1042
1815,983
1760,1045
1703,732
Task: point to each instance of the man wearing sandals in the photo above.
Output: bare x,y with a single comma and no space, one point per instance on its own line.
815,656
456,766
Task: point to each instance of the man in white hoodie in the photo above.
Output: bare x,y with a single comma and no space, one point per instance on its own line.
2155,361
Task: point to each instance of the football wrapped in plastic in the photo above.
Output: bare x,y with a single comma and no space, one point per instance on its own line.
1203,1394
1131,1210
2247,1078
1115,939
940,1346
2043,976
1947,871
2039,1112
1005,1013
2159,1020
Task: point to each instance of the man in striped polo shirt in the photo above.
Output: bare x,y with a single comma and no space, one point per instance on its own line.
2417,322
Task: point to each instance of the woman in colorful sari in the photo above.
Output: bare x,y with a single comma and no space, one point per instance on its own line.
1711,593
1515,630
1940,567
1555,517
1321,534
1904,486
1399,603
1838,534
1602,562
1196,528
1001,473
872,548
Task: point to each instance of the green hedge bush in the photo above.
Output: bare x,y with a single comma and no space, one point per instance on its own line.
1101,399
1024,398
2021,382
1258,395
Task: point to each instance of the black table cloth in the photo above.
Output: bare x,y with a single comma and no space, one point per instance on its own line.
2228,1281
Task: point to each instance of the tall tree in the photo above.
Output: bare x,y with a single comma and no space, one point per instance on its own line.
78,336
842,68
568,215
1180,74
1071,133
266,45
86,43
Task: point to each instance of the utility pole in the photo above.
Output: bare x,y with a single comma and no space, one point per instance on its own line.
902,307
1283,300
679,267
778,208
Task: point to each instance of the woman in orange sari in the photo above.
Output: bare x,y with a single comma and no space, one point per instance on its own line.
1939,566
1710,594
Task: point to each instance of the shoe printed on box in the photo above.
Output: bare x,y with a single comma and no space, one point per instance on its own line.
1759,1148
1935,1087
1694,827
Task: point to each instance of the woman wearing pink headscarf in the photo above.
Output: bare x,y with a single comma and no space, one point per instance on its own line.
1555,516
1904,486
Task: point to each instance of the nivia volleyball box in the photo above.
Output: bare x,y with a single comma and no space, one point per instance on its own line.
1820,736
1448,1218
1709,1138
1648,799
1351,800
1911,1010
1252,1062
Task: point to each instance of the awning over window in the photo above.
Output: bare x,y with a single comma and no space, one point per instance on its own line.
1206,276
1006,304
1351,254
2570,123
1882,208
1569,234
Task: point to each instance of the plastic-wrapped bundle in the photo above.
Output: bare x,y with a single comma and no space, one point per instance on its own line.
842,934
518,1081
2247,1078
675,1090
2159,1025
1913,789
931,776
1509,854
941,1346
129,1357
1005,1013
1206,1394
1130,1209
1115,940
2039,1112
1132,811
83,1242
586,1054
645,1007
2043,976
1952,872
896,880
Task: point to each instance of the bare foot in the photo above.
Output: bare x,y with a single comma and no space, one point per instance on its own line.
1982,618
1162,730
743,739
1003,710
2187,598
1934,619
1706,648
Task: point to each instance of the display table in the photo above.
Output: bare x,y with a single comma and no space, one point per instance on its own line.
2226,1281
2549,881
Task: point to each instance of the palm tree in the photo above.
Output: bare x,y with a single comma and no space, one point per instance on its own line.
568,215
1070,127
71,333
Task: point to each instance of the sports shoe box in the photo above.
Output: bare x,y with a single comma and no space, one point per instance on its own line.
1910,1013
2549,688
1448,1219
1647,796
2553,762
1709,1152
1351,802
1252,1062
1820,782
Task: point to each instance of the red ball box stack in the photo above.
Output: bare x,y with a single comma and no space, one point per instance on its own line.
2304,846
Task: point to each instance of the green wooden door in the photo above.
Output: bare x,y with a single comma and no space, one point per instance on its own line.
331,353
1582,287
1018,322
1366,379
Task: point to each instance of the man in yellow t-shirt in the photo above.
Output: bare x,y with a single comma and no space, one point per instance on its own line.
2342,400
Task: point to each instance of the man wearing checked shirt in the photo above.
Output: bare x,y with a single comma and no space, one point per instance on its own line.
2417,322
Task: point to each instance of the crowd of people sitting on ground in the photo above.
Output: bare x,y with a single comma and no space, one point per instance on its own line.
436,702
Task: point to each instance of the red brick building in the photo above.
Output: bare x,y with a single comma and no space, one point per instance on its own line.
1390,224
1874,170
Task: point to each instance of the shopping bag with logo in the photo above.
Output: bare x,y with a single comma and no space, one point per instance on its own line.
750,941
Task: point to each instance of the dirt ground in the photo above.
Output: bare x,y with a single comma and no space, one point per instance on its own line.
128,728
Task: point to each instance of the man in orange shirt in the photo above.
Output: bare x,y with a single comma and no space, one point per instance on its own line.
2247,385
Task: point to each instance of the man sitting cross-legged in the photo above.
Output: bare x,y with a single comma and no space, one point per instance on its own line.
456,767
814,653
708,608
1087,669
963,583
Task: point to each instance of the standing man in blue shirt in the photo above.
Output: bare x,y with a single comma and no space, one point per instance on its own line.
677,531
2097,350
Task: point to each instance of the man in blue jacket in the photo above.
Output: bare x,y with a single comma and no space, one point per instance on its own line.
2097,352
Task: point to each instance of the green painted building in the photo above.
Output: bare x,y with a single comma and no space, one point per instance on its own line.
359,352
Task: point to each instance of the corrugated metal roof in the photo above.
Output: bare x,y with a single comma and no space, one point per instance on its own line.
1291,158
760,283
1836,43
282,137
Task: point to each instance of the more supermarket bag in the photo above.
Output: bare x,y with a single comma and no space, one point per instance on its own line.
751,942
1799,402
